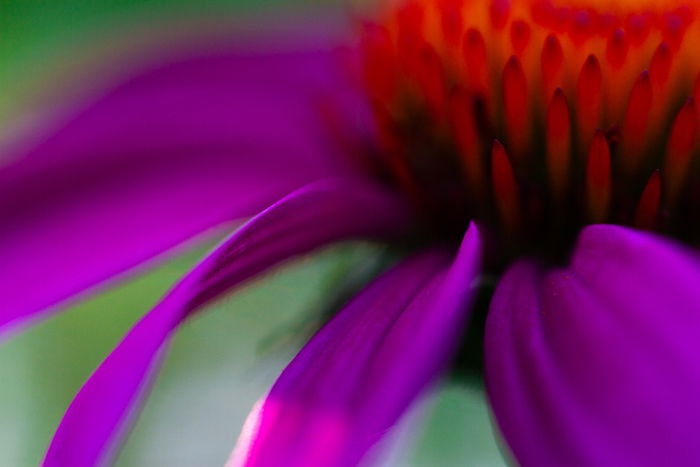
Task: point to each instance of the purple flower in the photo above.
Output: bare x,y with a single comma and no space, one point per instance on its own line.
522,141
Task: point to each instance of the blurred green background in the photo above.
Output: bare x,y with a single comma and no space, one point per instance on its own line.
226,357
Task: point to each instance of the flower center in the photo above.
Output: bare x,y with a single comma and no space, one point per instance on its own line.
538,117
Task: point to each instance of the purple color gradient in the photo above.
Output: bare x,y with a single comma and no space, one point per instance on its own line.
355,378
313,216
156,161
596,363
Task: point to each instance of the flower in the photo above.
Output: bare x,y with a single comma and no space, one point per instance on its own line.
549,144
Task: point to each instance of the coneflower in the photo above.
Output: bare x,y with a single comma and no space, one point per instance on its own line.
548,145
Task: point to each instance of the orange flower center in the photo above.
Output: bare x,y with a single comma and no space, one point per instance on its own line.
538,117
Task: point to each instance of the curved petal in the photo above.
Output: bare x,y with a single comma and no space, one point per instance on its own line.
310,217
520,376
356,377
160,158
600,364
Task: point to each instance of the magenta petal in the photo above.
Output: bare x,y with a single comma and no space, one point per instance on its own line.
599,364
514,412
355,378
310,217
161,158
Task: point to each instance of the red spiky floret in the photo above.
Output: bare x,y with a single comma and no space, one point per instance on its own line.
588,105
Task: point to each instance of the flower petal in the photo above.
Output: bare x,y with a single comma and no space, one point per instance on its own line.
310,217
600,363
355,378
157,160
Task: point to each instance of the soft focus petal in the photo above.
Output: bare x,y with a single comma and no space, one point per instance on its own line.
511,331
163,157
311,217
355,378
599,363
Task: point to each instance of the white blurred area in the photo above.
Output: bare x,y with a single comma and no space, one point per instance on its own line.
218,365
225,358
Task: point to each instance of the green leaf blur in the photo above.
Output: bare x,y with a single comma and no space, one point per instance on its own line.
223,359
